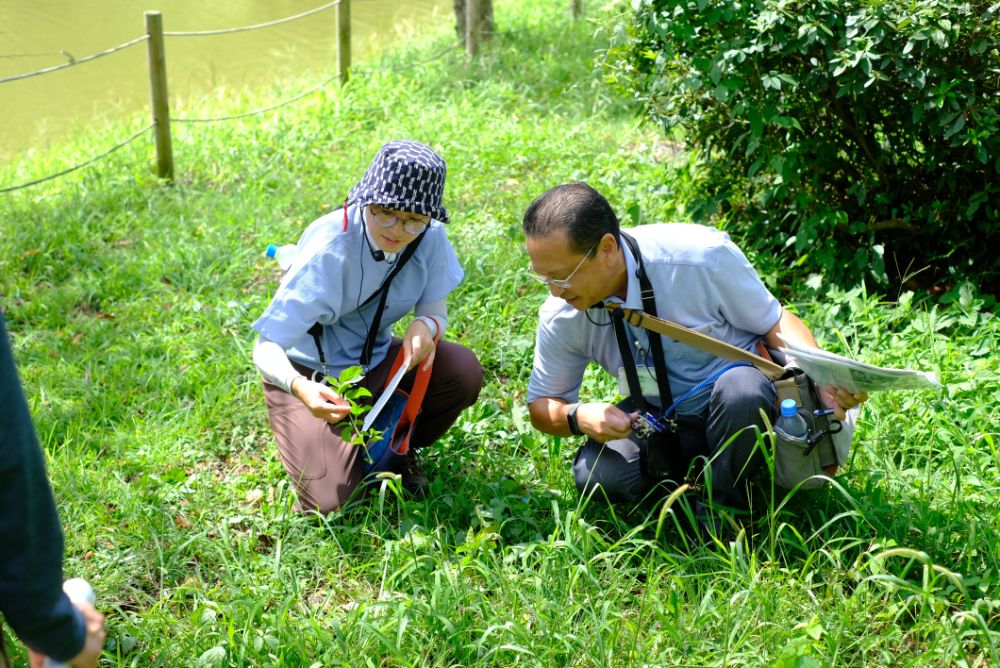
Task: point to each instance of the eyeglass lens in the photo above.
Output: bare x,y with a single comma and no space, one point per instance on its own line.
563,283
384,218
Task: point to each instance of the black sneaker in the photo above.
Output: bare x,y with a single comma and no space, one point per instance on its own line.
415,482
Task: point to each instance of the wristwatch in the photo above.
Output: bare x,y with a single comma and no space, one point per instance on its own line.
571,420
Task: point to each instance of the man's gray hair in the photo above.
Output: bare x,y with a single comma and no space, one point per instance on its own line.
575,209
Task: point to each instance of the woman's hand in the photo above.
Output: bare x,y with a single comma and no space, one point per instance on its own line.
321,401
841,400
418,344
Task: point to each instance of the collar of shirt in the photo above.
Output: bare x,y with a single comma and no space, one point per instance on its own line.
633,294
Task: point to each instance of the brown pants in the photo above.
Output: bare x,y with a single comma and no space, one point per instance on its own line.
323,467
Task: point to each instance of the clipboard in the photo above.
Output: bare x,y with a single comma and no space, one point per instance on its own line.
383,399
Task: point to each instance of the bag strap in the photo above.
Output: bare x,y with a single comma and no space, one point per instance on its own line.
383,293
631,374
420,382
649,303
698,340
655,344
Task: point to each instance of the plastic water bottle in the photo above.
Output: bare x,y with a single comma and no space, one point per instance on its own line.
284,255
79,591
790,423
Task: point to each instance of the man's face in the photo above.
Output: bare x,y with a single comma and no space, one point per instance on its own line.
581,279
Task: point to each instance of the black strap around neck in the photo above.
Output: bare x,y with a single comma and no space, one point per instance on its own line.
655,343
382,292
631,374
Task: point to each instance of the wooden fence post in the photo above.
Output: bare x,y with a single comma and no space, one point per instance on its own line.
344,40
158,96
472,32
577,8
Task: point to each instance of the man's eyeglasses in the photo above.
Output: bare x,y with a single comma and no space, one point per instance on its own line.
384,217
562,283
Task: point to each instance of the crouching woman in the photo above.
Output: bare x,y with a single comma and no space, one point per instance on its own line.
356,272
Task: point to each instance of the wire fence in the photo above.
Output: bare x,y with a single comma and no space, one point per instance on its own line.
161,120
111,150
258,26
157,65
306,93
75,61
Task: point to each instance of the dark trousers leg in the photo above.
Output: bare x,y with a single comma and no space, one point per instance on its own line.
617,468
324,468
725,434
612,470
733,423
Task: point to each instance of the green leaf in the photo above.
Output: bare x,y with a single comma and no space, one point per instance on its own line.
788,79
957,125
756,122
350,374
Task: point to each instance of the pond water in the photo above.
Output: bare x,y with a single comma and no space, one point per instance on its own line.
35,34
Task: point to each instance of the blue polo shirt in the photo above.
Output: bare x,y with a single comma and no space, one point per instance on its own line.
333,273
700,280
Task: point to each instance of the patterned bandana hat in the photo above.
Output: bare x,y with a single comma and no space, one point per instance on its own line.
406,176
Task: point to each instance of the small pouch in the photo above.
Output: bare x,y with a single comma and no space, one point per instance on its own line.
798,460
661,454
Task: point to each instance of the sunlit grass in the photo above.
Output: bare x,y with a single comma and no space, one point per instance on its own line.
130,303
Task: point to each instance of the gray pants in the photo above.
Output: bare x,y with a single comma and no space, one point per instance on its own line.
723,435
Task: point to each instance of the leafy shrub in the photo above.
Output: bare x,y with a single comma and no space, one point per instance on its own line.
838,127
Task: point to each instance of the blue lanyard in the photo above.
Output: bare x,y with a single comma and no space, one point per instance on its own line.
701,386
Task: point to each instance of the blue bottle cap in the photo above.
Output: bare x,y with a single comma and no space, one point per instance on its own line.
271,251
789,407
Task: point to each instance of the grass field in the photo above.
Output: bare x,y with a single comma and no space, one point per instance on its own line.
130,303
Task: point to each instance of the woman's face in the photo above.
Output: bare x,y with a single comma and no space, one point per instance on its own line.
391,229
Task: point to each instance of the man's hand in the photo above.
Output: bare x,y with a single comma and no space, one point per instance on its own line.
418,344
321,401
841,400
604,422
93,645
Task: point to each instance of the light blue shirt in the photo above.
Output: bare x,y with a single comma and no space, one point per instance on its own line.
333,273
700,280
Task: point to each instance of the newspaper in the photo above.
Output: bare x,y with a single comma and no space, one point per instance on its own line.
829,369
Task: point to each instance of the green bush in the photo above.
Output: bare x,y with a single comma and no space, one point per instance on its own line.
861,133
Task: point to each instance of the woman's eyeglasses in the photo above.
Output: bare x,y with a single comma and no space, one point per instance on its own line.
384,217
562,283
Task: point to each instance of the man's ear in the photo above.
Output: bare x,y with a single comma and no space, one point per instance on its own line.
608,246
